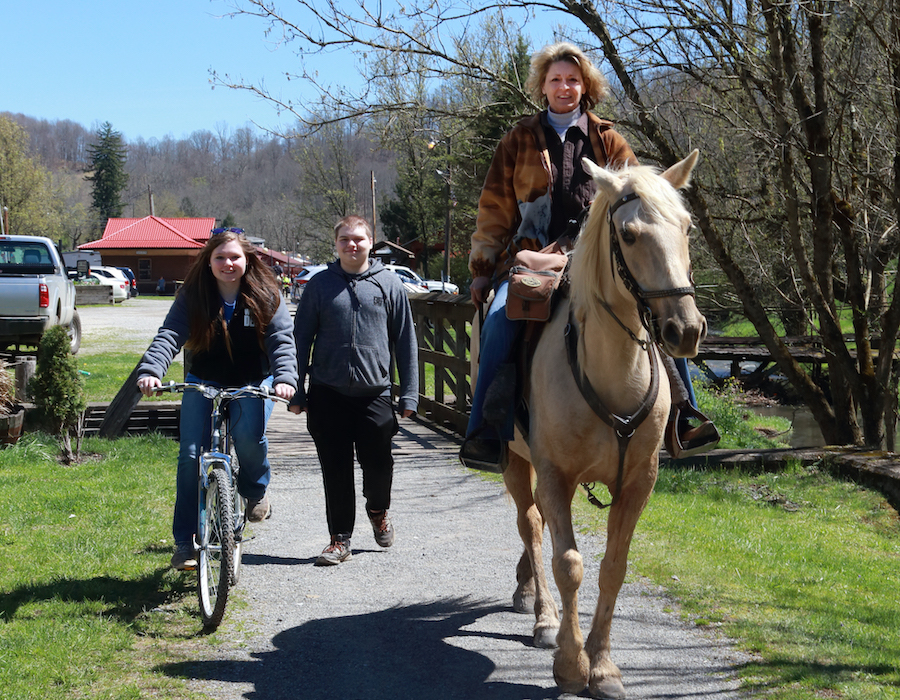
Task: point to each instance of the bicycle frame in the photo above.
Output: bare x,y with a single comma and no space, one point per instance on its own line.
220,510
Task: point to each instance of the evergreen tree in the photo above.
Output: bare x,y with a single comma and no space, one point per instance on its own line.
58,390
108,174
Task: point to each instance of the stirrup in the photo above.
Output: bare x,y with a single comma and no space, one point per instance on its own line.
693,441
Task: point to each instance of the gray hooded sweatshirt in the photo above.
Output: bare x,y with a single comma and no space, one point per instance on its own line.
352,323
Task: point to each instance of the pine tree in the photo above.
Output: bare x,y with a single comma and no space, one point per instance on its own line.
108,174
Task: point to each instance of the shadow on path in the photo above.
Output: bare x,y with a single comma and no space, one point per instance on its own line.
402,652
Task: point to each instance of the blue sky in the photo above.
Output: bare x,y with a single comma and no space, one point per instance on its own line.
144,66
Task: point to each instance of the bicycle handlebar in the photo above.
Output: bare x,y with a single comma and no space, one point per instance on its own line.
211,392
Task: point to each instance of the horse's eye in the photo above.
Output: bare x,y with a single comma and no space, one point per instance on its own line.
628,237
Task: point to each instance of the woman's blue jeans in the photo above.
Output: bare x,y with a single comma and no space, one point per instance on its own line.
497,336
248,431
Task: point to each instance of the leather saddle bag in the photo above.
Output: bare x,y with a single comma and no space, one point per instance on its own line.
533,278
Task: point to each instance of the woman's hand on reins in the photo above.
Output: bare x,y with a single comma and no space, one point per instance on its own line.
479,289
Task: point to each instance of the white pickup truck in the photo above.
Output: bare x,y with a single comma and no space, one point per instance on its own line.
36,292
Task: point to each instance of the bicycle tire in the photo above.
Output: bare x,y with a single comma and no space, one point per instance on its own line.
239,513
215,568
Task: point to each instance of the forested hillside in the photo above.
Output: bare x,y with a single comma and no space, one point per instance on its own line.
281,190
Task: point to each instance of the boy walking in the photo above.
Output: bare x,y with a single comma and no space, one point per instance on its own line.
354,317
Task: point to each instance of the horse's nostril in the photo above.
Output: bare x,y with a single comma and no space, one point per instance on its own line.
671,334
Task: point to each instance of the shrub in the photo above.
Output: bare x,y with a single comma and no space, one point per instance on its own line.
58,390
7,389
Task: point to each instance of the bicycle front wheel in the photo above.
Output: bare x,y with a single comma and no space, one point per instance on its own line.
216,563
240,520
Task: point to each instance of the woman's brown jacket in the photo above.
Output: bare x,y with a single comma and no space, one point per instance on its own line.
516,198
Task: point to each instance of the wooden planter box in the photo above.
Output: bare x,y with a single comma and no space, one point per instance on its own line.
11,426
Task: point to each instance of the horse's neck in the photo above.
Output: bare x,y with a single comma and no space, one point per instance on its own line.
616,365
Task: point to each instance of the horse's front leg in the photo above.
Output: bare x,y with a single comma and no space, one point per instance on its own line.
570,664
606,679
530,575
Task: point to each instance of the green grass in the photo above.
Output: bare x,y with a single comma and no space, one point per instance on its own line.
88,605
799,568
739,427
104,374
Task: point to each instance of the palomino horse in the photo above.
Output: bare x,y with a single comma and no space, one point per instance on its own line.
631,260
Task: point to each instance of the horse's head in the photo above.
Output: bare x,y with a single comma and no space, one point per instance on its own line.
647,224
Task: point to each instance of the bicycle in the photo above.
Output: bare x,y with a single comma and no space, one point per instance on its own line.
221,509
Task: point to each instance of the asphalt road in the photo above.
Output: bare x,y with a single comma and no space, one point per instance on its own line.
429,618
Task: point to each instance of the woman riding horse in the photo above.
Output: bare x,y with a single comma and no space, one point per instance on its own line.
535,193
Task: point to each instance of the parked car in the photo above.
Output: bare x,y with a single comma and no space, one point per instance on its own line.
411,281
133,290
439,286
36,292
114,273
119,285
304,276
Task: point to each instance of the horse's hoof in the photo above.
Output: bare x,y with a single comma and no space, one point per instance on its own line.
607,689
545,637
572,676
523,603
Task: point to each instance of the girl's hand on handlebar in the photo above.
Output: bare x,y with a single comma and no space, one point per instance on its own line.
149,385
284,391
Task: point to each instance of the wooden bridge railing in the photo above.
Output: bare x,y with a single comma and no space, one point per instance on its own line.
443,328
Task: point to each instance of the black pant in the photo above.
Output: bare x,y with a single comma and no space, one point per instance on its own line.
337,423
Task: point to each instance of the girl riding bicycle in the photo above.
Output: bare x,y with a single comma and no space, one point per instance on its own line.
231,318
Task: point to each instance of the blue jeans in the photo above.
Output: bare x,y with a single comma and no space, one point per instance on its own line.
497,336
248,431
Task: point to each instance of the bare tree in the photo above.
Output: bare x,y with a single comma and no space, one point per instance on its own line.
797,201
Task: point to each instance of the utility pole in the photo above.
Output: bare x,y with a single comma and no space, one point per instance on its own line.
446,275
374,229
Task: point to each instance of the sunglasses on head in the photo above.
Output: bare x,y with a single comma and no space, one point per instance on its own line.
223,230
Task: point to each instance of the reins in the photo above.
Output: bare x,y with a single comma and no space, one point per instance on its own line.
623,427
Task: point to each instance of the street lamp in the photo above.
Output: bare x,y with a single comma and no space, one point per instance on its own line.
445,274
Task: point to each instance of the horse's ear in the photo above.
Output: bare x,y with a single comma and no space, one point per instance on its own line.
604,178
679,175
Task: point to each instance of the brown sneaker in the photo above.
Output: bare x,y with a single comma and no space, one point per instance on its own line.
382,527
184,559
335,553
258,509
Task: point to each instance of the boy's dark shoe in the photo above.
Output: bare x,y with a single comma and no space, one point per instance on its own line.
335,553
382,527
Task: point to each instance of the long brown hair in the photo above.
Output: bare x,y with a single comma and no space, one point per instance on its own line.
259,292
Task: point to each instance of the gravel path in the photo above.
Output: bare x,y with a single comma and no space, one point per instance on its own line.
429,618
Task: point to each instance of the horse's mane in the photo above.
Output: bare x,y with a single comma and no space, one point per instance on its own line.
590,260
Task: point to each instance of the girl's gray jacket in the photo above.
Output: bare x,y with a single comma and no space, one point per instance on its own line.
279,358
353,324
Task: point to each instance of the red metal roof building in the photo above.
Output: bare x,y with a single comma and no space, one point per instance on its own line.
153,247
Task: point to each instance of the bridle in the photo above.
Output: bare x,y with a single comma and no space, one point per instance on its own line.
624,427
618,265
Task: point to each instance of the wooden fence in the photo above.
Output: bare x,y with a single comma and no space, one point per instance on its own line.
443,328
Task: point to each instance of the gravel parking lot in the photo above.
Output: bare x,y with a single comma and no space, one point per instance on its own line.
125,327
